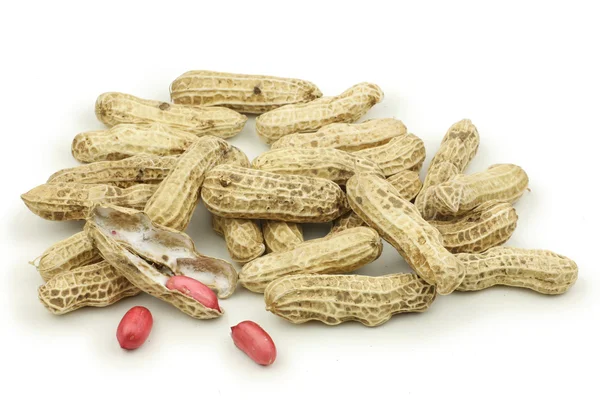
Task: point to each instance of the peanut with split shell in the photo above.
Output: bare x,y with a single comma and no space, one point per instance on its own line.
243,237
405,152
281,235
251,94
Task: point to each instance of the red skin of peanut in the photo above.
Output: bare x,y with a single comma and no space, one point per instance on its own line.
249,337
134,328
195,289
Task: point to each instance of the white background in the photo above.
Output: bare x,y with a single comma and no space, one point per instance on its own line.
526,74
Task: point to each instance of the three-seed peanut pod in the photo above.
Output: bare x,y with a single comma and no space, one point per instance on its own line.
333,299
335,165
94,285
70,201
149,255
489,225
342,252
243,237
308,117
281,235
347,137
406,152
234,192
398,221
539,270
251,94
119,108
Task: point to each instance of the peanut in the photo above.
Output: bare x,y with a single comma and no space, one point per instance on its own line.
347,137
489,225
195,289
134,328
462,193
398,221
458,148
252,94
119,108
234,192
236,157
308,117
539,270
243,237
333,299
175,199
347,221
148,255
69,201
345,251
66,255
281,236
401,153
335,165
249,337
94,285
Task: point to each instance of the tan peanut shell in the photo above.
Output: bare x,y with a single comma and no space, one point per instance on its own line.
462,193
94,285
539,270
122,173
69,201
119,108
148,255
334,254
398,221
489,225
126,140
333,299
234,192
70,253
243,237
458,148
253,94
177,195
335,165
347,137
347,221
308,117
281,235
401,153
236,157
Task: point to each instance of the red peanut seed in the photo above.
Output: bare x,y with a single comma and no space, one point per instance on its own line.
249,337
134,328
195,289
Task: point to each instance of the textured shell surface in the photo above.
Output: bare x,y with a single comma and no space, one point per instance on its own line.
235,192
401,153
115,108
335,165
399,222
252,94
94,285
281,235
308,117
243,237
347,137
342,252
333,299
540,270
407,183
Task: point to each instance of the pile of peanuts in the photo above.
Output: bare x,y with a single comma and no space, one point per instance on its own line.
143,177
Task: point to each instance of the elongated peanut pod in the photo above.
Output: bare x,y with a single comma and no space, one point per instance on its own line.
338,253
118,108
253,94
398,221
462,193
333,299
539,270
308,117
235,192
253,340
236,157
486,226
347,221
281,236
347,137
458,148
69,201
68,254
401,153
134,328
335,165
243,237
94,285
175,199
